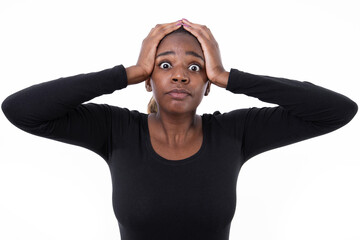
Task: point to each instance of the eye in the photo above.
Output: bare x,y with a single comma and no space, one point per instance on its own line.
165,65
194,67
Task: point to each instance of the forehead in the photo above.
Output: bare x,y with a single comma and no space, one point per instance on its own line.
180,42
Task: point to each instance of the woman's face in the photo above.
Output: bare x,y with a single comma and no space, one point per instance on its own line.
179,79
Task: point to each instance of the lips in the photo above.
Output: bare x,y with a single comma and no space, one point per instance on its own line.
179,93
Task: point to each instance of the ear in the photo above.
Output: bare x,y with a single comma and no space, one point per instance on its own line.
148,85
207,90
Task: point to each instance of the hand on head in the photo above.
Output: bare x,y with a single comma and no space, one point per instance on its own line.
214,68
146,58
145,64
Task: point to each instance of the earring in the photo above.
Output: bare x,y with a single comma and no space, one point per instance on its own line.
207,92
148,88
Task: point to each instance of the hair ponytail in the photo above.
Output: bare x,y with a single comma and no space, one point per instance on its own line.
152,106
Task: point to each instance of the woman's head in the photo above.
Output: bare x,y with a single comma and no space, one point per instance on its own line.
179,80
180,30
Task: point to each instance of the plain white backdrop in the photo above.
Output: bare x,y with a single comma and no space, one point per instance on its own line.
309,190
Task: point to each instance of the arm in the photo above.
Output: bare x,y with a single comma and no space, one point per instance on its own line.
305,110
55,109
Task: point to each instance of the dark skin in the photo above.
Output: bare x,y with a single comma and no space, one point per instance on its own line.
179,72
175,130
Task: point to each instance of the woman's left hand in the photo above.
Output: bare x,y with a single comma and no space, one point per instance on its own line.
214,68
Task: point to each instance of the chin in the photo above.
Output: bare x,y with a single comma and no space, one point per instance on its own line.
179,107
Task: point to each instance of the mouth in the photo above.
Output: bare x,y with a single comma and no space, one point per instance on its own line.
179,93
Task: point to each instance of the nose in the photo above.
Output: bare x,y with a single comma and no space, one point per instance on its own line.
184,80
180,77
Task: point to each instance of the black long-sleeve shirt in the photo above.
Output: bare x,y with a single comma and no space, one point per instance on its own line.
193,198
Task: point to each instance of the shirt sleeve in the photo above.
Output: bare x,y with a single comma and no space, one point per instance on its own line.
56,109
304,111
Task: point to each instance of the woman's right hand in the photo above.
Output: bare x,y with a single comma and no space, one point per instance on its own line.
146,61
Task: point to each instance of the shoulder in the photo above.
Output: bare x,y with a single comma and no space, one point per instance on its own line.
226,117
235,123
123,121
229,123
116,113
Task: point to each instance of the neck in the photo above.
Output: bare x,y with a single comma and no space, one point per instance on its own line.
177,128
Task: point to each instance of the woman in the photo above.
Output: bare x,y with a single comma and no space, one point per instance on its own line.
174,172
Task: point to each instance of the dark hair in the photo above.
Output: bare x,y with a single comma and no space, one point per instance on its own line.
152,105
179,30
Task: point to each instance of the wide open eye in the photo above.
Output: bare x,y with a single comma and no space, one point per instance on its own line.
194,67
165,65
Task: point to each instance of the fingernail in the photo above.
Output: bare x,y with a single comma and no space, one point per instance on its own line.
185,25
185,19
179,24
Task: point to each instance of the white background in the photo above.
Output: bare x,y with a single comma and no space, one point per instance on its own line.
309,190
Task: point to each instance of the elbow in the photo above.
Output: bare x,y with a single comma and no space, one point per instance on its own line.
13,110
19,114
5,107
348,111
8,110
341,112
352,110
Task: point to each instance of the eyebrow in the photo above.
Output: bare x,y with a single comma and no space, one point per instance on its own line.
192,53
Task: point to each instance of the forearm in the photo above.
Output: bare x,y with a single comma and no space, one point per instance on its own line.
53,99
222,79
135,75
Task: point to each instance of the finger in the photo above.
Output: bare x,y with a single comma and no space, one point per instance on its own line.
161,30
200,30
203,37
165,24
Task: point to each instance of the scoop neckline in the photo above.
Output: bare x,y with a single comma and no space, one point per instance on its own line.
158,157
